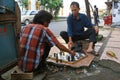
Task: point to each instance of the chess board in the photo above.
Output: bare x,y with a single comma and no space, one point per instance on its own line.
66,58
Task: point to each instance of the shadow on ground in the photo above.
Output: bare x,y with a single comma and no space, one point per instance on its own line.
99,70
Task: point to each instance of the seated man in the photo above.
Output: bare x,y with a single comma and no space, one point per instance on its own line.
75,31
36,39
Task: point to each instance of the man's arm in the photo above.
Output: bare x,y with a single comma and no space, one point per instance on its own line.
54,41
70,43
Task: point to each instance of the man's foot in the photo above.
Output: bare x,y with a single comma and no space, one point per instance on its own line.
89,50
92,51
90,47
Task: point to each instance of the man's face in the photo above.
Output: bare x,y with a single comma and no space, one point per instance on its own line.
74,9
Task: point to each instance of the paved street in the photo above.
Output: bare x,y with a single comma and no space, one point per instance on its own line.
56,27
100,69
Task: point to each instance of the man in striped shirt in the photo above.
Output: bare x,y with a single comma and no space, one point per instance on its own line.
35,42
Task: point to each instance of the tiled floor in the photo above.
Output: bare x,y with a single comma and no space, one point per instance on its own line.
113,45
116,51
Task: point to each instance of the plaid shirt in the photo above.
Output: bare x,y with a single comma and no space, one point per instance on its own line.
33,39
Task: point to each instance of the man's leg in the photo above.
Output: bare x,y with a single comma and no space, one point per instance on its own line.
93,40
42,66
90,47
91,35
64,35
46,53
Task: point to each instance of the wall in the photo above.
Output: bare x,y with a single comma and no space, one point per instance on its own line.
116,11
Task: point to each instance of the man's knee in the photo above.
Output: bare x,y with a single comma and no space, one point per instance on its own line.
63,33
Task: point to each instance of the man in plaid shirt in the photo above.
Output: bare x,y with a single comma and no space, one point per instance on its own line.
35,42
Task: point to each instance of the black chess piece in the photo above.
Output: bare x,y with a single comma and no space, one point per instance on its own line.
55,54
68,58
56,58
72,58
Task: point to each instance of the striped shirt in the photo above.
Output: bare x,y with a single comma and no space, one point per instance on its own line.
33,40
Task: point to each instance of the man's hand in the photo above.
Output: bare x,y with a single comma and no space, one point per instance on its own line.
72,53
70,44
96,29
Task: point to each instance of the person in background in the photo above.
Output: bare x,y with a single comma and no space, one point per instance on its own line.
36,40
96,16
76,24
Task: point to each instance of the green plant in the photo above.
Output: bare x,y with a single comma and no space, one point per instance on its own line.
53,6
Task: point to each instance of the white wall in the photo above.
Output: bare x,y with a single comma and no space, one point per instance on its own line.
116,12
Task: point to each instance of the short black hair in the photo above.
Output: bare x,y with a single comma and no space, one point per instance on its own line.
94,6
75,3
41,17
